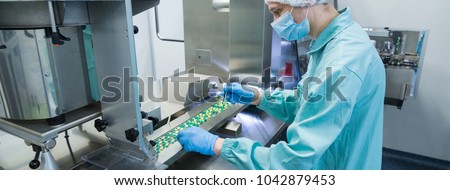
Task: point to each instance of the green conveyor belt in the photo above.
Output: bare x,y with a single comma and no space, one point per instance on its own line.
170,137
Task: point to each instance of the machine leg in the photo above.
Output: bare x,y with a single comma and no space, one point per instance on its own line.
47,160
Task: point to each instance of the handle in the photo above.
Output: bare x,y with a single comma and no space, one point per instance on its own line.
404,91
34,164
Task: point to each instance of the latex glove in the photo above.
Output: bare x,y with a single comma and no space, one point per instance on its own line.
234,93
195,139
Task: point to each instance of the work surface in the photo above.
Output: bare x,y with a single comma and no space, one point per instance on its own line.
256,125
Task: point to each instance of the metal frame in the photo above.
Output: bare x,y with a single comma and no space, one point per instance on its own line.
4,106
39,132
114,21
418,71
112,26
158,33
250,48
422,59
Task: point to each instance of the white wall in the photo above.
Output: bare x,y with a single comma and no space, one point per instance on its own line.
156,58
168,56
423,125
143,44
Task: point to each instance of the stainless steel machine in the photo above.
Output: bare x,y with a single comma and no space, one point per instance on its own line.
65,63
402,52
53,55
219,42
220,49
42,81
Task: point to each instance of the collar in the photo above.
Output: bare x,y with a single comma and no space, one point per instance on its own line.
336,26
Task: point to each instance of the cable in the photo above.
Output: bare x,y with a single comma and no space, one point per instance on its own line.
70,147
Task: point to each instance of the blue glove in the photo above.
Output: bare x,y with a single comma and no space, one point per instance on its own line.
195,139
234,93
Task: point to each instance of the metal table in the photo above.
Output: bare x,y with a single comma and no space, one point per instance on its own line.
256,125
39,132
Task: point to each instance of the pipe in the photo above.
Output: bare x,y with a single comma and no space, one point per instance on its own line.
52,16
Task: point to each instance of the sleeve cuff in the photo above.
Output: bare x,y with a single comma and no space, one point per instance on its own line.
263,104
227,148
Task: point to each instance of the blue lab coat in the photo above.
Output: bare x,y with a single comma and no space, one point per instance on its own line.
336,114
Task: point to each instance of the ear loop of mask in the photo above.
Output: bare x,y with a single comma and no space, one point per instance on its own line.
307,12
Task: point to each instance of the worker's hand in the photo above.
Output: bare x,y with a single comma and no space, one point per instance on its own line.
234,93
195,139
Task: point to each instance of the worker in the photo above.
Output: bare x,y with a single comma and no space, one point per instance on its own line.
335,114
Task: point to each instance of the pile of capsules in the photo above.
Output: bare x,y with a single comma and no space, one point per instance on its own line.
170,137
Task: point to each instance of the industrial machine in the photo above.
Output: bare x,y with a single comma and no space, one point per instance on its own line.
65,63
402,52
220,49
54,54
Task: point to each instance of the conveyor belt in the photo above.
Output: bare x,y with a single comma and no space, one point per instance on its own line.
170,137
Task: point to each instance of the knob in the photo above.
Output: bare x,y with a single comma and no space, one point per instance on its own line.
143,114
131,134
34,164
100,124
2,46
56,37
154,120
152,142
135,29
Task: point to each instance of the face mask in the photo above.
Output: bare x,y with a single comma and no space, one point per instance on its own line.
287,29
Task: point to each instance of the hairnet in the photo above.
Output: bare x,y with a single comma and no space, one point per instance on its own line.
298,3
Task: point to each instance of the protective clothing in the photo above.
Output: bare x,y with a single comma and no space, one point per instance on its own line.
234,93
287,29
195,139
298,3
336,114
